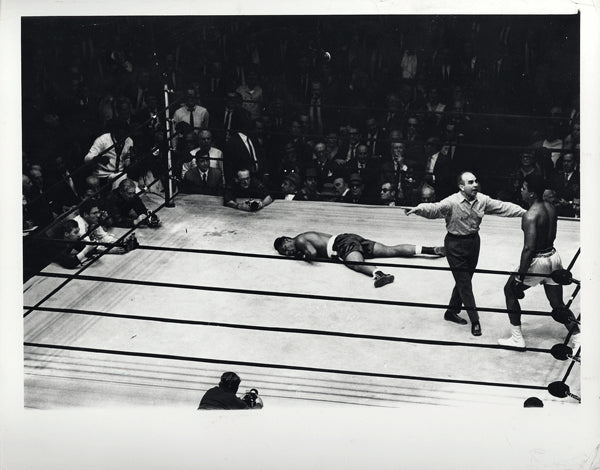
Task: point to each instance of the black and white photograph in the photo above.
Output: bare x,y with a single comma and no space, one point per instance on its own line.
327,236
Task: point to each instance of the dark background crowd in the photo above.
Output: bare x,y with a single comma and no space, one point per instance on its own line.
360,109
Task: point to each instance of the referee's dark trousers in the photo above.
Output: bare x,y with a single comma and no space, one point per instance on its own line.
462,252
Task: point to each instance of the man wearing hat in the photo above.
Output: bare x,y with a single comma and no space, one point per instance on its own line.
310,190
357,189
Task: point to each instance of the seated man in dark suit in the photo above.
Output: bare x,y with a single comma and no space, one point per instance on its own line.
357,188
247,187
242,150
202,179
368,169
223,397
400,173
310,190
126,209
290,186
566,183
342,190
438,168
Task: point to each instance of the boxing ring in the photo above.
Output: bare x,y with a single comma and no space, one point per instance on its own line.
206,293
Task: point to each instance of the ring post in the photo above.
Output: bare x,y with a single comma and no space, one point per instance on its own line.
169,186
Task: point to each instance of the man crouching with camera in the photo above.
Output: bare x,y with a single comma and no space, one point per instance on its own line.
126,209
223,396
248,187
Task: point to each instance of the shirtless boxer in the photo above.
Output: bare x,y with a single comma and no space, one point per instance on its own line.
349,247
538,256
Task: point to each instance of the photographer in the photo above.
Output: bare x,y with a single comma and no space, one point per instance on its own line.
223,397
250,189
126,209
75,253
90,221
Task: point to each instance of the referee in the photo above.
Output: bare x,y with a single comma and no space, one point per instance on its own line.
464,212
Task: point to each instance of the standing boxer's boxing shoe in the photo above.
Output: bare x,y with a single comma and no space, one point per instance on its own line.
576,344
516,339
380,279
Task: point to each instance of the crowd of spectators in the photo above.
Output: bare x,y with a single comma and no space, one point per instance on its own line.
360,109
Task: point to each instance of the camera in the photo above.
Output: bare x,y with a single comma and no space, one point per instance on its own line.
130,243
251,399
104,218
254,206
153,220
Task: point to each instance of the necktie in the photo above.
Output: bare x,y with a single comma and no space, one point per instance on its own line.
118,150
315,114
203,178
227,122
430,165
70,182
252,154
192,118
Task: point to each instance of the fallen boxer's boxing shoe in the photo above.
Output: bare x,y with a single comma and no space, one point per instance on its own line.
381,279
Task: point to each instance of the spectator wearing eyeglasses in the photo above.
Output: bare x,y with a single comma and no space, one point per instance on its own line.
387,194
357,189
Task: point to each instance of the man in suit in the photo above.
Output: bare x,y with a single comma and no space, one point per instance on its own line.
367,168
398,171
290,186
320,110
394,114
202,179
566,183
242,152
374,136
349,151
357,190
213,85
342,190
223,120
438,169
205,142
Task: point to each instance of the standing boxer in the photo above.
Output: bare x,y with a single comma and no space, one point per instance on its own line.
537,256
